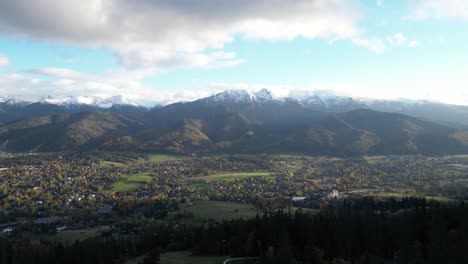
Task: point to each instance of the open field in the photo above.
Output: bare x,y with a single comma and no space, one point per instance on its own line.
460,156
185,257
66,237
375,159
104,164
459,166
232,176
156,157
218,211
310,211
403,195
181,257
131,182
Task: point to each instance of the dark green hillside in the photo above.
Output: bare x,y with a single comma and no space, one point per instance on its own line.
65,132
199,127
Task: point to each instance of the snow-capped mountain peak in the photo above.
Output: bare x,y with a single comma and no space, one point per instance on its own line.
234,96
101,102
241,96
264,95
13,101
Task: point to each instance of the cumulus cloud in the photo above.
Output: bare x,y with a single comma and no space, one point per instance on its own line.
4,60
177,32
425,9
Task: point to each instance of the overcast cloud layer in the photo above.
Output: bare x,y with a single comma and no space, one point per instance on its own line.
173,33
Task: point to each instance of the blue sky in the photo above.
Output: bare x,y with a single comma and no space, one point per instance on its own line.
167,51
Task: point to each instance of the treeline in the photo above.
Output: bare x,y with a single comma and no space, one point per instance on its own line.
362,231
410,230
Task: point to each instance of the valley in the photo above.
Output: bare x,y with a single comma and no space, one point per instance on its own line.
52,184
65,197
174,182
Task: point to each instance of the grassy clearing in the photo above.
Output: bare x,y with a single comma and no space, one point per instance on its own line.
460,156
306,210
104,164
439,199
66,237
218,211
185,257
375,159
458,170
156,157
131,182
232,176
394,194
458,165
181,257
403,195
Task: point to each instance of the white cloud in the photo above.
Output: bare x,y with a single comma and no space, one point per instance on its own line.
4,61
164,33
168,60
374,44
399,39
65,82
414,44
439,9
56,72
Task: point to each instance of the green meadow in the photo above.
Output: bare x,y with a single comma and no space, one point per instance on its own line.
157,157
131,182
217,210
231,176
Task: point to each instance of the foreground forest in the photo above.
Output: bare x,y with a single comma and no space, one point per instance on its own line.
364,230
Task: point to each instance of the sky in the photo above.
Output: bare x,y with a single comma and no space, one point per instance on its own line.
164,51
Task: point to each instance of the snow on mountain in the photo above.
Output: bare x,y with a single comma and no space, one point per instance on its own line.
328,101
264,96
241,96
230,96
101,102
320,100
13,101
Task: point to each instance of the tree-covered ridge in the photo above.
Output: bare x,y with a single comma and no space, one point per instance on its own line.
200,127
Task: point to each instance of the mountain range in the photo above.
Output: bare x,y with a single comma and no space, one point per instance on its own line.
237,121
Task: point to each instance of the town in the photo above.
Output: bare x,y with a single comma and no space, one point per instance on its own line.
80,191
